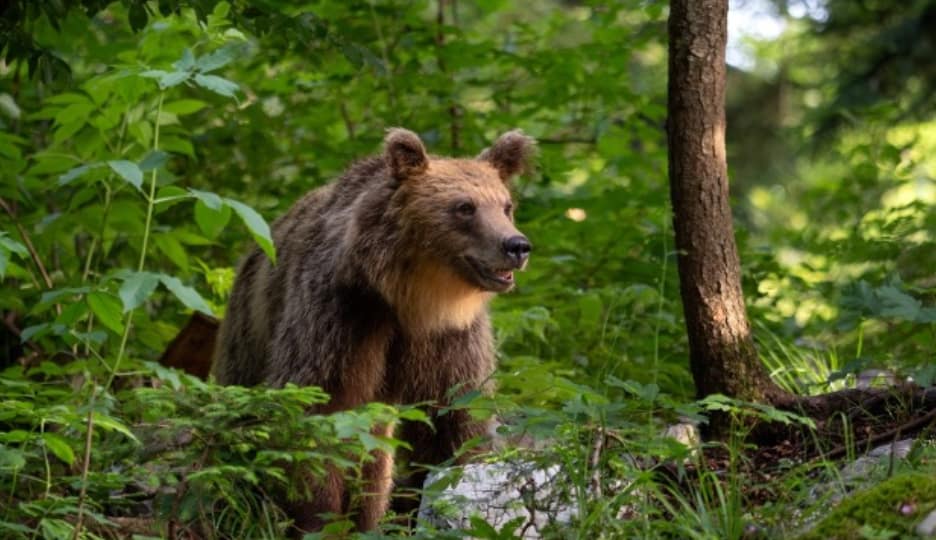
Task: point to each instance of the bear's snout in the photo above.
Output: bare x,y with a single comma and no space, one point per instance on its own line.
518,249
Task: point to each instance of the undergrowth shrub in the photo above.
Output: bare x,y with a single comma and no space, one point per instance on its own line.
169,451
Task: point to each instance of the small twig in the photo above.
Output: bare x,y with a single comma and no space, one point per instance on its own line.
33,254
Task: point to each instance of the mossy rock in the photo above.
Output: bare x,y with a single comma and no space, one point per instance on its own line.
891,509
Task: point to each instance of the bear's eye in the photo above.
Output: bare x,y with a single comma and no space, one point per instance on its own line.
465,209
508,209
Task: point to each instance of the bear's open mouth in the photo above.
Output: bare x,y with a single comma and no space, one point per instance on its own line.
493,279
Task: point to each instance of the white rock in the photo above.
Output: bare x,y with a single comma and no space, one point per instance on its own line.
686,433
927,527
498,493
860,469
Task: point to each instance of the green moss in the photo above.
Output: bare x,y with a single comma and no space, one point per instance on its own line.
879,509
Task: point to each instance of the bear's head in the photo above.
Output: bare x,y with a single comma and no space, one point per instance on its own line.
459,212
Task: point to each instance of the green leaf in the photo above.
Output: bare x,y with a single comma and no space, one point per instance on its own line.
59,446
107,309
11,245
75,113
220,57
897,304
153,160
186,62
218,85
211,222
178,145
136,288
187,295
154,74
257,226
170,246
183,107
173,79
72,174
111,424
211,200
8,246
129,171
36,330
56,528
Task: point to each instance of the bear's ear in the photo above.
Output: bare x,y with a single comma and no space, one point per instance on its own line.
405,154
510,154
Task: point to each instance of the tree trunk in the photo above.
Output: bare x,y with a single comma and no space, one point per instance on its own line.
722,354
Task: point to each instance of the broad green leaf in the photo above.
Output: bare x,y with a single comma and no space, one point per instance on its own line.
177,145
153,160
220,57
15,435
898,304
171,194
186,62
415,415
107,309
129,171
211,200
170,246
211,222
111,424
55,528
183,107
35,331
71,313
59,446
142,132
8,246
77,112
167,119
136,288
218,85
187,295
46,163
154,74
257,226
52,296
173,79
74,173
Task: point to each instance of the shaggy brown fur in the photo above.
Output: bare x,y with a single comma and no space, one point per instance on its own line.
380,293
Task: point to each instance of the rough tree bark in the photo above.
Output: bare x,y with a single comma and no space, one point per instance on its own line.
722,354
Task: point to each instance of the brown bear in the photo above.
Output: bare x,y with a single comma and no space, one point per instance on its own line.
380,293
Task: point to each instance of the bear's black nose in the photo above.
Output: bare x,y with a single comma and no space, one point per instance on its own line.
518,248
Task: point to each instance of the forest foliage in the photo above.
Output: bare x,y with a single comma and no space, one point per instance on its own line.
146,145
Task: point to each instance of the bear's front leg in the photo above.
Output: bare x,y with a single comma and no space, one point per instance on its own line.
377,476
